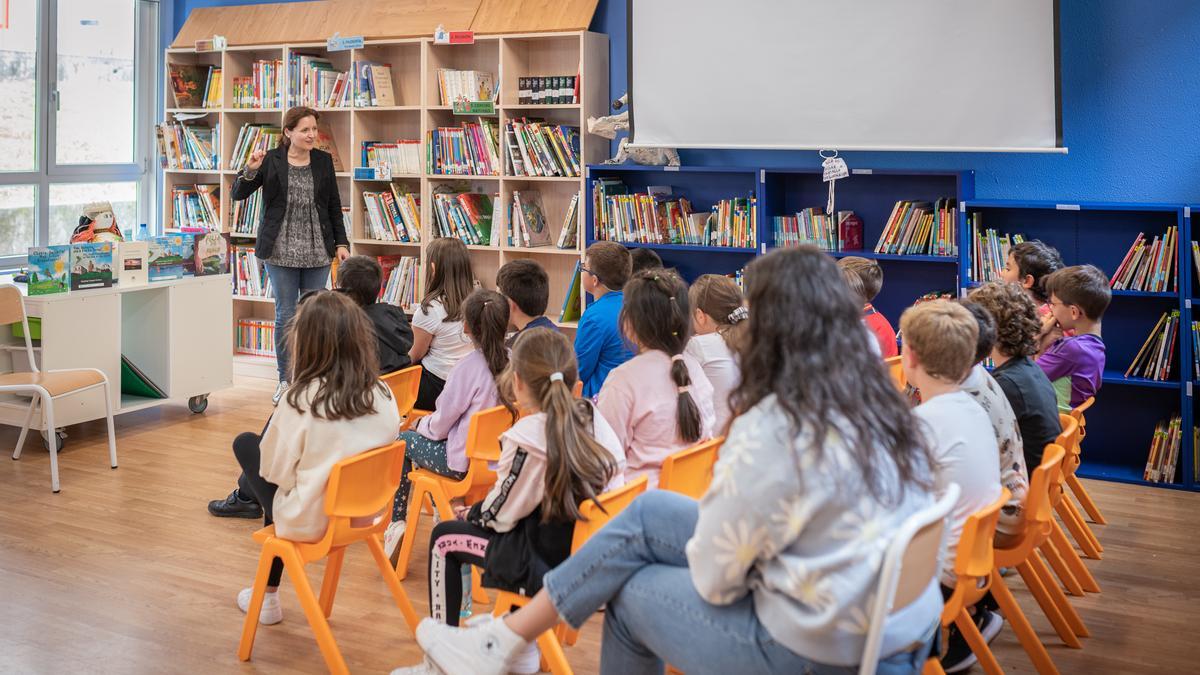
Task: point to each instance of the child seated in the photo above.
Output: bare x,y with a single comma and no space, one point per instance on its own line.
526,286
560,454
660,401
361,277
1079,295
438,339
335,408
599,346
869,278
1028,264
940,338
643,259
717,312
438,442
1025,386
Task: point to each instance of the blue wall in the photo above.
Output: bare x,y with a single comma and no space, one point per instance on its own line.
1131,92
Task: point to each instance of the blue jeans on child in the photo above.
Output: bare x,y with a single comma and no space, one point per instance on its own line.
637,565
288,284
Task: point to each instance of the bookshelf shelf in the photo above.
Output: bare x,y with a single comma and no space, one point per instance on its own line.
1144,294
381,242
1115,377
252,298
193,172
952,260
251,111
690,247
534,107
447,177
386,108
543,250
191,111
542,179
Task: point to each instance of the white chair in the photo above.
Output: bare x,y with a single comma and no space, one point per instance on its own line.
911,562
46,386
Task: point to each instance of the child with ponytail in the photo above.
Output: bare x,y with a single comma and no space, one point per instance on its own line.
718,316
660,401
438,442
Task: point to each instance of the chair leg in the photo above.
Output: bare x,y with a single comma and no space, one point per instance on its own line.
25,427
410,530
478,594
1086,581
1073,520
932,667
1020,625
112,434
312,611
51,440
552,654
970,632
1091,534
1085,500
1044,600
393,582
1065,575
333,572
1060,599
250,623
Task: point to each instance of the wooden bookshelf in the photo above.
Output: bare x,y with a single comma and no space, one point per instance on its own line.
414,63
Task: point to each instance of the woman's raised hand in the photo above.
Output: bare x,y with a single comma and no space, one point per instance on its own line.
256,160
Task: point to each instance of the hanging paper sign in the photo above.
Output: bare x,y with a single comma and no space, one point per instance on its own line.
834,168
474,108
337,43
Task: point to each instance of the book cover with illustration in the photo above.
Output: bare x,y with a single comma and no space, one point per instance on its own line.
533,218
326,142
188,82
91,265
210,253
49,269
169,257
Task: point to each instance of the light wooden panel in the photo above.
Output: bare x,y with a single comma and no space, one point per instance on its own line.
519,16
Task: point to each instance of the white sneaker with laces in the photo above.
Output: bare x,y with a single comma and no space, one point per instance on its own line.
425,667
527,661
392,537
487,649
271,613
280,390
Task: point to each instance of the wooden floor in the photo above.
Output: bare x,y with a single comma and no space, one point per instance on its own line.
125,572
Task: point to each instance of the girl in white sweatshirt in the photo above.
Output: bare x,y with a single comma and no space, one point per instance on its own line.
335,408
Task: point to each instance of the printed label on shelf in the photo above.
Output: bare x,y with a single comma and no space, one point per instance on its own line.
441,36
337,43
862,172
216,43
474,108
1067,207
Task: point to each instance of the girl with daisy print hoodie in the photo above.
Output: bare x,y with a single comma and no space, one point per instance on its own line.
774,569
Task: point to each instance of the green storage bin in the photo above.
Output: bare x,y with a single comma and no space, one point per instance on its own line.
35,328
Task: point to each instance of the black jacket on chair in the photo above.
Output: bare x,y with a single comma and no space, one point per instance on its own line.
272,177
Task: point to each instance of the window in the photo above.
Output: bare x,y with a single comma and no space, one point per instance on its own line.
77,100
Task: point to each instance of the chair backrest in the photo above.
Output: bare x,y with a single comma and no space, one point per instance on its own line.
12,310
690,471
360,487
897,372
1077,413
910,564
975,557
613,502
1069,440
483,434
404,384
1039,510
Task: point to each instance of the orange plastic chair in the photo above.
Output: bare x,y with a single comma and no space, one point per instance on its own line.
689,471
1024,557
1075,576
594,518
483,446
897,372
577,389
1085,500
1067,511
360,487
404,384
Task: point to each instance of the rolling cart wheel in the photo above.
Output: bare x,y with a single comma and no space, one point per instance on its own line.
62,440
198,404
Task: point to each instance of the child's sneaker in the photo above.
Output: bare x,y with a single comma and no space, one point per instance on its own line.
487,649
392,536
527,662
271,613
280,390
425,667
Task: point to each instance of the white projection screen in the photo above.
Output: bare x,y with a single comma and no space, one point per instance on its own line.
934,75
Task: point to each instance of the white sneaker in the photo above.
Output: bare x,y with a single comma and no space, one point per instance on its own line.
425,667
487,649
280,390
271,613
527,661
392,536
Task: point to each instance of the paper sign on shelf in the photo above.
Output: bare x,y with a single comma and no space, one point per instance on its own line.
337,43
441,36
474,108
216,43
834,168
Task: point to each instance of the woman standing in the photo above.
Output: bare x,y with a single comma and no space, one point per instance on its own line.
302,227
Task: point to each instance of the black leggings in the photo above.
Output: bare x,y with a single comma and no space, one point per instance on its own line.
427,394
245,449
452,544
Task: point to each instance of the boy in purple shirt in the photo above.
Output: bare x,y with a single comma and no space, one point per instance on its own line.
1075,365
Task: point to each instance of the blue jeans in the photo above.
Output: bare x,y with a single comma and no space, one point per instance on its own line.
637,565
288,284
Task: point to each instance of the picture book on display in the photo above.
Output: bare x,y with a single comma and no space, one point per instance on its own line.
91,265
326,142
210,253
170,257
572,303
189,84
133,263
49,270
529,219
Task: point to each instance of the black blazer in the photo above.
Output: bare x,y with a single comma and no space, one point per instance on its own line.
272,178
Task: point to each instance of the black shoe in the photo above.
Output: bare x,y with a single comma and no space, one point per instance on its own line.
234,506
959,657
989,624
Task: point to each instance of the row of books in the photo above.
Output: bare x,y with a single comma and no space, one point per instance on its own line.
263,88
989,250
255,337
1149,265
399,285
197,206
188,146
1155,359
401,157
250,278
82,266
466,216
373,84
252,137
921,228
547,90
393,216
465,85
1163,458
469,150
195,85
313,81
814,228
539,149
657,216
245,215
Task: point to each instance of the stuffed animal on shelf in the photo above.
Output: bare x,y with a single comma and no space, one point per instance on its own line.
98,223
609,125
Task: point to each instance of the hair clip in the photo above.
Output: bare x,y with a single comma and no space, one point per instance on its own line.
556,376
738,315
684,389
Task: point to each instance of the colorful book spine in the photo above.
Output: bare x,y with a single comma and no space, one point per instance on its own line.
548,90
1163,457
249,276
256,337
1156,359
989,250
468,150
1149,266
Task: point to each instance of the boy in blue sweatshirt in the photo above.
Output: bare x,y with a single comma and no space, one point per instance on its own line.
599,345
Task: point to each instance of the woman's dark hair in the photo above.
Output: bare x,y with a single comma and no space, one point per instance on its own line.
1036,259
577,467
292,118
655,315
485,317
987,329
359,277
807,347
449,276
332,343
